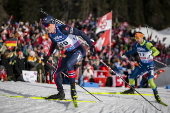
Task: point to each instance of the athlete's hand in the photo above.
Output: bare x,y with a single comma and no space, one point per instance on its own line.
93,50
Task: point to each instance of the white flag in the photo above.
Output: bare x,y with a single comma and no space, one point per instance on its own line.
104,23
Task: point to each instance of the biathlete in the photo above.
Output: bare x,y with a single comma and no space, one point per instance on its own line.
146,52
67,37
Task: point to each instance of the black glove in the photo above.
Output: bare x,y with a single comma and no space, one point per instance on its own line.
92,50
45,59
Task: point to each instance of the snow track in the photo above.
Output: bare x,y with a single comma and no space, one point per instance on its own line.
112,103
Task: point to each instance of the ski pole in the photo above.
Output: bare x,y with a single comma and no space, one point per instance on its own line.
161,63
41,10
58,21
84,88
127,83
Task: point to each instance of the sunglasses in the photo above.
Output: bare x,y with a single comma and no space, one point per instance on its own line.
137,37
46,25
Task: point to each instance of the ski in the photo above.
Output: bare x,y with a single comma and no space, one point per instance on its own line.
75,101
44,98
117,93
162,103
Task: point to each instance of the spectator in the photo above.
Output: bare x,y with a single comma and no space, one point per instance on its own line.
7,63
32,61
1,41
118,68
40,68
49,67
19,65
87,74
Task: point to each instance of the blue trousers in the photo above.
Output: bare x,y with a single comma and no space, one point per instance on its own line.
68,62
142,68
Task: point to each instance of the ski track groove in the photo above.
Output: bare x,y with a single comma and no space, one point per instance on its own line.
125,103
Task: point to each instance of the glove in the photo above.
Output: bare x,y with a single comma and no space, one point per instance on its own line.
92,50
123,55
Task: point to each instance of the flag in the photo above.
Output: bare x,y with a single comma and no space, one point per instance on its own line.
164,38
104,23
126,39
120,34
125,24
150,37
88,19
140,27
104,40
9,21
11,42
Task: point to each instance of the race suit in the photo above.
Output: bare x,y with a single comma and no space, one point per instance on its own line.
68,38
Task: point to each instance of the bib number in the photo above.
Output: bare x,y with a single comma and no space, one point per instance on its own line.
64,43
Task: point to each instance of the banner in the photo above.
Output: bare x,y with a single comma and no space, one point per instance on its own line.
104,23
117,81
30,76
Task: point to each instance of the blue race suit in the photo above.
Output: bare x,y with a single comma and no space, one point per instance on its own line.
146,60
68,38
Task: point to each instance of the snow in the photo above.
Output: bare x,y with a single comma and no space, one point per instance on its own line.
111,103
161,34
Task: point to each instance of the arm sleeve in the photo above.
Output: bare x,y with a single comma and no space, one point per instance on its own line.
65,29
132,51
150,46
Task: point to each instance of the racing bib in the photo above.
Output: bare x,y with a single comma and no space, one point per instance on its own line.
70,43
146,57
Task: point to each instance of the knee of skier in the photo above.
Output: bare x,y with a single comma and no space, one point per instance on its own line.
70,66
132,76
152,83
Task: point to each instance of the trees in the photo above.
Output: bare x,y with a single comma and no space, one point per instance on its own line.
136,12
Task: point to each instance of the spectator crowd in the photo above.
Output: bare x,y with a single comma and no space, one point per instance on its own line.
32,45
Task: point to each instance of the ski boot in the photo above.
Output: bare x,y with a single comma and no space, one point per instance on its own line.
60,95
73,92
157,96
129,91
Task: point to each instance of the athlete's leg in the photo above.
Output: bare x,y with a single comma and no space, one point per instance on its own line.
56,74
74,58
58,80
151,81
137,71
